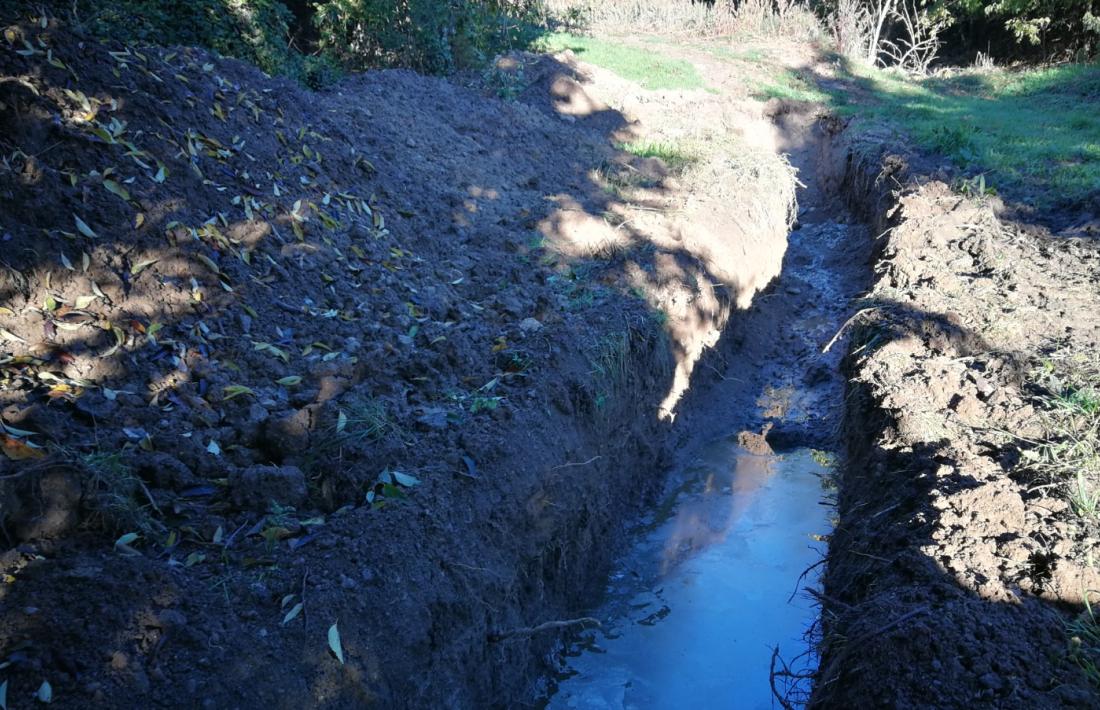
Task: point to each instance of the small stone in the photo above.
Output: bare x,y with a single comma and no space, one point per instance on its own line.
410,142
530,325
347,582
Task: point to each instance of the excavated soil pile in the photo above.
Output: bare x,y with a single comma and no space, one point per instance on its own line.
956,566
289,376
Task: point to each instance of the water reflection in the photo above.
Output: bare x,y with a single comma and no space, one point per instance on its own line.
695,607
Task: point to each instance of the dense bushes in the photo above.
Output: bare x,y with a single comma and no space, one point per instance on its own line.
316,39
431,35
255,30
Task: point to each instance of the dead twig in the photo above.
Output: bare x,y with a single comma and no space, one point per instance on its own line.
844,327
581,463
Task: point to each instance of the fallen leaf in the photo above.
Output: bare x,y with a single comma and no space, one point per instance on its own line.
142,266
45,693
122,545
117,189
294,611
289,381
10,335
232,391
334,643
405,479
17,450
83,228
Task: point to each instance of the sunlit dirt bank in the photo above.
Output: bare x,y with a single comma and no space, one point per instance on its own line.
322,399
960,568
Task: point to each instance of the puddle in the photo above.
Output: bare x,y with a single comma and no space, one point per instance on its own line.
695,607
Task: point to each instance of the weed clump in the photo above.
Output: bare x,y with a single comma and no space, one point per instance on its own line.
1069,456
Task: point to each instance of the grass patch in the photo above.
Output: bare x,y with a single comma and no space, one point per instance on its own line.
790,86
648,68
1035,133
1084,640
675,157
1070,455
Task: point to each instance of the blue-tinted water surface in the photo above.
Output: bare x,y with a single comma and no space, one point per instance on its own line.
696,606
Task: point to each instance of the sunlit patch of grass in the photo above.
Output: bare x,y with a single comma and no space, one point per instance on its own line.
791,86
645,66
1035,133
674,156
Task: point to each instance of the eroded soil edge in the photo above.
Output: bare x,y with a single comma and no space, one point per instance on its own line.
953,570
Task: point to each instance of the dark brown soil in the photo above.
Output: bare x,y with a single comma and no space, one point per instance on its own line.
311,350
953,572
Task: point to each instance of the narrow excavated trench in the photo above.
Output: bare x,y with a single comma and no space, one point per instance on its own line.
709,598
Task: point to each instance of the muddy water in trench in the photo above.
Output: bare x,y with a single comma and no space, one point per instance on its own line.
695,606
712,582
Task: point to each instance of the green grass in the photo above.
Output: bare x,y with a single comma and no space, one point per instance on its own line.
675,157
647,67
1035,134
1084,637
792,87
1070,454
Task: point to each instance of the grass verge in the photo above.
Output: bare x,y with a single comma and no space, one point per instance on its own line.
649,69
1035,134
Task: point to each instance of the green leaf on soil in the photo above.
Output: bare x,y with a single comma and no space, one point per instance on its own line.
232,391
294,611
162,173
341,421
66,263
209,263
122,544
334,643
117,189
44,693
289,381
142,266
193,559
83,302
83,228
218,535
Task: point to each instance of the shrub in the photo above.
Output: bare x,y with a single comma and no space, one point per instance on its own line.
430,35
253,30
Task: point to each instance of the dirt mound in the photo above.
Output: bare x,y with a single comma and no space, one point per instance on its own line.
954,570
306,358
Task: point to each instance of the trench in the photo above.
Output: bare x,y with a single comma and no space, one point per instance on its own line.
711,589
